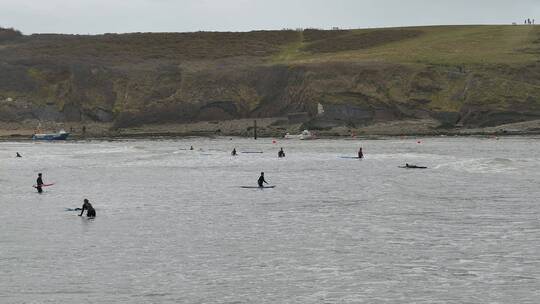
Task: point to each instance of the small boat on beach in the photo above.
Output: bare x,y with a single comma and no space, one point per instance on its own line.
61,135
306,134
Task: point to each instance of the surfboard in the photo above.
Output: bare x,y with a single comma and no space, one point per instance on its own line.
44,185
73,209
349,157
419,167
257,187
252,152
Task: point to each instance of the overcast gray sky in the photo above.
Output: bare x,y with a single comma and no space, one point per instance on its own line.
102,16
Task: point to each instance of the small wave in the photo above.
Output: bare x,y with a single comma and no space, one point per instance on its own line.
481,165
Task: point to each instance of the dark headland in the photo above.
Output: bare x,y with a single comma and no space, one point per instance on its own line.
392,81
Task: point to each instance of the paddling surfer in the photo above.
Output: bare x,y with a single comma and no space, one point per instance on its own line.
18,155
261,180
414,167
360,153
90,211
39,183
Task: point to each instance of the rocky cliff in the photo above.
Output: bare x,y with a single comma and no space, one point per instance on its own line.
458,76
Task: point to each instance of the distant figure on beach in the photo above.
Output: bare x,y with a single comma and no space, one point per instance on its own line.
261,180
18,155
39,183
281,153
90,211
360,153
233,153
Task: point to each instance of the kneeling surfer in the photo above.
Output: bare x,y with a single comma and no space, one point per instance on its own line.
90,211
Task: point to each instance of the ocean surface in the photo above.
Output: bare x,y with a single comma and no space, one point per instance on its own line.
175,226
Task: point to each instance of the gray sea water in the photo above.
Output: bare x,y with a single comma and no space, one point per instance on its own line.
174,226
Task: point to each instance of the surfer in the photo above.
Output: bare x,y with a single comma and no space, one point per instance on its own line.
90,211
261,180
414,167
39,183
18,155
233,153
191,148
281,153
360,153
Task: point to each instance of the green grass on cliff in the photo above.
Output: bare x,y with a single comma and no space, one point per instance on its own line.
444,45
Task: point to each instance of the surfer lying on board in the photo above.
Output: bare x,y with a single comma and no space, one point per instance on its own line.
261,180
414,167
39,183
90,211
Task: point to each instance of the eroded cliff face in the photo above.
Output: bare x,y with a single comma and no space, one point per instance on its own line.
162,90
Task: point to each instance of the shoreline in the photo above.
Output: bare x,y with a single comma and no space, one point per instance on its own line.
267,128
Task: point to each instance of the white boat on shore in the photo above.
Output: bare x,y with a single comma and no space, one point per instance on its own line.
305,135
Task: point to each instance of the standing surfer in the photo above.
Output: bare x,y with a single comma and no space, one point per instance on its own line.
90,211
233,153
360,153
261,180
281,153
39,183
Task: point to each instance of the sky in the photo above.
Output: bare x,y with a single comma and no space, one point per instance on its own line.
121,16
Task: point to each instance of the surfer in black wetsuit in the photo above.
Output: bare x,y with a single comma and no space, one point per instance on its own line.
414,167
261,180
360,153
39,183
281,153
233,153
90,211
18,155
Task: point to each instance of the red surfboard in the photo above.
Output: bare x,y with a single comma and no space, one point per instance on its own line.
44,185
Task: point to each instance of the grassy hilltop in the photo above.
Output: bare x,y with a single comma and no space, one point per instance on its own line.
458,76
